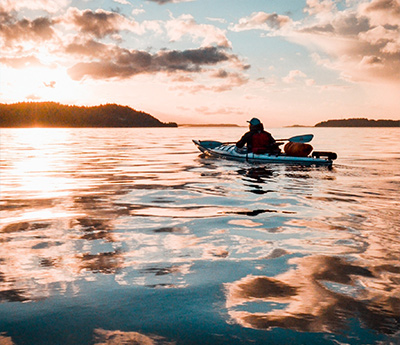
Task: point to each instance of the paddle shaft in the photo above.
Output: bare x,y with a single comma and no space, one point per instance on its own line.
305,138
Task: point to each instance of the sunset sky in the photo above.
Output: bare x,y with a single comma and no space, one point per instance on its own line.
206,61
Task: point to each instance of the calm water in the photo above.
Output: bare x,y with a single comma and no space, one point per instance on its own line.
130,236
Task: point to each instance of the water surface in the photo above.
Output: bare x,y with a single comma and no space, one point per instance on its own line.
131,236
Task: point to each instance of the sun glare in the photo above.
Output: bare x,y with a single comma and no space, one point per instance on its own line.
35,170
39,84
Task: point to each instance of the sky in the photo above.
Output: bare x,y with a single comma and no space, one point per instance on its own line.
286,62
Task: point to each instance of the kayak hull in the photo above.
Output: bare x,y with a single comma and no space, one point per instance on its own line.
230,151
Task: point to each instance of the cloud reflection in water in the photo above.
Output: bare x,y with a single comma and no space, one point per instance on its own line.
320,295
107,337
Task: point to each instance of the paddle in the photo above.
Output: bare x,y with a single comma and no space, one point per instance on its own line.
305,138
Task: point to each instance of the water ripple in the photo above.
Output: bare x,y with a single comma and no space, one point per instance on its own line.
105,222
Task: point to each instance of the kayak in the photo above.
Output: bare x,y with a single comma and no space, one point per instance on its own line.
230,151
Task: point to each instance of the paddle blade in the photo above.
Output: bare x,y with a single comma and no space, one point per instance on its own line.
207,144
306,138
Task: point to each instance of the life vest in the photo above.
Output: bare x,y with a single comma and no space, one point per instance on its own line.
261,141
298,149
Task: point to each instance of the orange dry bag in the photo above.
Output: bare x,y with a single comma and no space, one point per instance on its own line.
297,149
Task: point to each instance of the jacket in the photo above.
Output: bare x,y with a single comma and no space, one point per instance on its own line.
258,141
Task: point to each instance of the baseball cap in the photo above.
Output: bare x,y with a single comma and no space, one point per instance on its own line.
254,121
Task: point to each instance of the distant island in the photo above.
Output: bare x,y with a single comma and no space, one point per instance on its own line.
51,114
359,122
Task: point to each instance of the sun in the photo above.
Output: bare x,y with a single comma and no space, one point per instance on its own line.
38,83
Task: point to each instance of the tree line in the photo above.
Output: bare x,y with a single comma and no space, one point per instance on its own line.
51,114
359,122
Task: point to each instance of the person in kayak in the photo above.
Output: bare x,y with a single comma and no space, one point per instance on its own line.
257,139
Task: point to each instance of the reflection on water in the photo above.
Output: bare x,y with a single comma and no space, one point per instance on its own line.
320,295
170,245
103,337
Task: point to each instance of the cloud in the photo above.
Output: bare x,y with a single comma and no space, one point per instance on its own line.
11,29
361,42
310,82
75,40
163,2
234,77
90,48
341,24
21,62
317,7
371,61
387,40
221,73
33,97
123,63
382,12
218,20
137,11
186,25
220,80
194,88
99,23
207,111
50,84
292,76
262,21
232,80
50,6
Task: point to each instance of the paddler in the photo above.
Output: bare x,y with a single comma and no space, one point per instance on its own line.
257,139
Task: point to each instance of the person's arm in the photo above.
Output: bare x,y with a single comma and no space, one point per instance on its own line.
272,140
273,145
243,140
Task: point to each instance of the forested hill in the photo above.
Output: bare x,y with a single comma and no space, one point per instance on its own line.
50,114
358,122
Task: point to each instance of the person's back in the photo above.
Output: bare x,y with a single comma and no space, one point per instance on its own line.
257,139
262,142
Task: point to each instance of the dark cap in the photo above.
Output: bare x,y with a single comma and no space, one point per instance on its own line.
254,121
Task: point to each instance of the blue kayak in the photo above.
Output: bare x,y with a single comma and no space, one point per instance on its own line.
230,151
